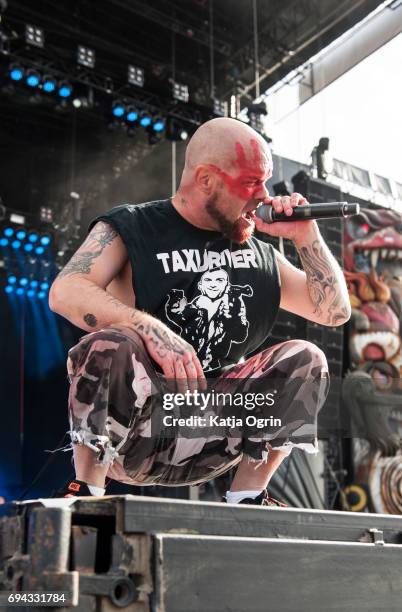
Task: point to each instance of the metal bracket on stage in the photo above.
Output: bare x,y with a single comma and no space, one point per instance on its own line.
377,536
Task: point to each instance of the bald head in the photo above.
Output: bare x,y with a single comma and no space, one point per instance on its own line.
227,144
226,168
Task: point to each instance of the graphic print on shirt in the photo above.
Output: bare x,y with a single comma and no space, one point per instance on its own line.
214,319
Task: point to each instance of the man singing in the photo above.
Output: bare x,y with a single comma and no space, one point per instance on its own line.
181,289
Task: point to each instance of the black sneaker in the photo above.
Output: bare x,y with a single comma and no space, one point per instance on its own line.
73,488
263,499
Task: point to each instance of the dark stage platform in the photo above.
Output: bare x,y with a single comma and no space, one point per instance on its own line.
147,554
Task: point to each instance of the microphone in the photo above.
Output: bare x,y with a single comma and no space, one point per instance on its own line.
305,212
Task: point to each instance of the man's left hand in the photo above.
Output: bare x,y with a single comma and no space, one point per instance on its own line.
292,230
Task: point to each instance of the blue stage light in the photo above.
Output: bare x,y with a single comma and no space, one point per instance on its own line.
28,247
65,90
44,286
8,232
118,109
32,78
34,284
39,250
23,281
3,242
12,279
16,244
132,115
9,289
49,84
33,237
16,73
20,291
21,234
30,293
145,120
45,240
158,125
41,294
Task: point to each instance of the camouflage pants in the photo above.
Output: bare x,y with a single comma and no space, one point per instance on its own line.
110,405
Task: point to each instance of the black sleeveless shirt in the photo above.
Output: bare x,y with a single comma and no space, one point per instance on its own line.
220,296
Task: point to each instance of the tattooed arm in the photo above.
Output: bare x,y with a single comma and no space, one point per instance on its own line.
79,291
318,292
80,294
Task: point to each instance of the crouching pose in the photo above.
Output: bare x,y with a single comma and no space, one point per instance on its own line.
180,292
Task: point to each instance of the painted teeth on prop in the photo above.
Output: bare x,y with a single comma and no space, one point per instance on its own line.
385,480
374,258
388,341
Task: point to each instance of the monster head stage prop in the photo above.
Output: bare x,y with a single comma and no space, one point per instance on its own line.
372,390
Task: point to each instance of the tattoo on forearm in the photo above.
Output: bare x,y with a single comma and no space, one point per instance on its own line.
81,263
323,284
90,320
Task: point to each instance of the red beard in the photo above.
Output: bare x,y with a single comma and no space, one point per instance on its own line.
239,231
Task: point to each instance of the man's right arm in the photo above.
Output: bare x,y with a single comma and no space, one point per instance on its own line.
79,294
79,291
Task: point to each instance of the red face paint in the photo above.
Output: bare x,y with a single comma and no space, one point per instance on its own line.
251,173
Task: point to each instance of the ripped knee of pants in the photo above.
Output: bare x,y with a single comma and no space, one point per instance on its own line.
265,454
101,445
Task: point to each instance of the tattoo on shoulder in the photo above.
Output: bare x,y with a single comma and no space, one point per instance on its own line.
90,320
81,262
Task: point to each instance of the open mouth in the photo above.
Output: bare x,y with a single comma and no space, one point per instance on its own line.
249,214
378,259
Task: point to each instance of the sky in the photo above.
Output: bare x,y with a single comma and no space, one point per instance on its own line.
360,112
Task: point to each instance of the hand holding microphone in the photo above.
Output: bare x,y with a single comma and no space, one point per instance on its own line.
280,216
306,212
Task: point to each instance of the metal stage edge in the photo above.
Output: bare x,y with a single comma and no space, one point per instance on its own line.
147,554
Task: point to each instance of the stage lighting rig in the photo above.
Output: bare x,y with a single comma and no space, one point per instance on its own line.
118,109
34,36
84,101
46,214
26,254
65,89
132,114
108,85
180,92
17,218
49,83
175,130
145,119
16,72
85,56
220,108
32,78
158,124
135,76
